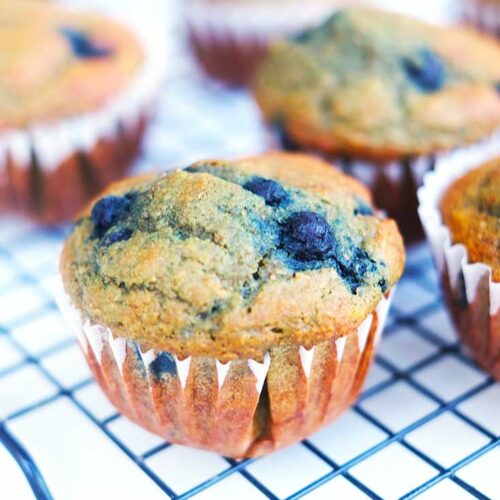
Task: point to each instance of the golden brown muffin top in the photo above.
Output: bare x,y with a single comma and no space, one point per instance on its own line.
55,63
471,210
229,258
382,85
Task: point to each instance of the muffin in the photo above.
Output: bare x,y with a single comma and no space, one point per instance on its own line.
461,216
233,306
76,91
383,94
483,14
229,37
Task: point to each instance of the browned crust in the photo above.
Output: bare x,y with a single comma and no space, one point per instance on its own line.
305,318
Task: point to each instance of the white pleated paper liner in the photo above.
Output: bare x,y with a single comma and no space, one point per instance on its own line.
353,356
91,336
483,14
447,255
53,142
469,285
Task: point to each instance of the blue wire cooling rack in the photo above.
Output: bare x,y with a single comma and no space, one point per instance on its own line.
426,424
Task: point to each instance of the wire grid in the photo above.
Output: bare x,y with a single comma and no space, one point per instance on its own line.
197,120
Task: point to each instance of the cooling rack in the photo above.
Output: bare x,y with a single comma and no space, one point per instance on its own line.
426,424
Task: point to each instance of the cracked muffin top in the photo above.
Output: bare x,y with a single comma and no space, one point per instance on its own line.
471,210
229,258
382,86
55,63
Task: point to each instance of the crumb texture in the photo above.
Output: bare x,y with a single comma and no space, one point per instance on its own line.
230,258
382,85
56,63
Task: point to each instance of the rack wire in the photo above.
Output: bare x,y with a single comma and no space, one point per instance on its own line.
426,423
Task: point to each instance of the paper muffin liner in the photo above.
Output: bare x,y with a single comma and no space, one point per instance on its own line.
50,170
472,296
230,38
242,408
483,14
393,184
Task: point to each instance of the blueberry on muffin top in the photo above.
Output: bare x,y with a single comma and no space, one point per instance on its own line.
228,259
57,63
381,85
83,46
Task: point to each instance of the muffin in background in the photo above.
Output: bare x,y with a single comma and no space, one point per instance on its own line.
76,94
383,95
483,14
460,211
232,305
229,37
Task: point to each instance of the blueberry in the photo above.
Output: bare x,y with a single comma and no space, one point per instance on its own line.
382,283
307,236
273,192
163,364
353,268
363,208
497,87
216,308
122,234
426,70
82,46
108,211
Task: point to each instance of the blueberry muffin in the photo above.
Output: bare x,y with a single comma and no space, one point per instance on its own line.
232,305
385,93
229,37
75,93
469,210
483,14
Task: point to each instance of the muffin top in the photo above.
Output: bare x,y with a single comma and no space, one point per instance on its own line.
56,64
471,210
227,259
382,86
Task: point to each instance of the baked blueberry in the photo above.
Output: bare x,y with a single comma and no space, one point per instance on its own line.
426,70
163,364
273,192
363,208
122,234
108,211
307,237
353,268
82,46
382,283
